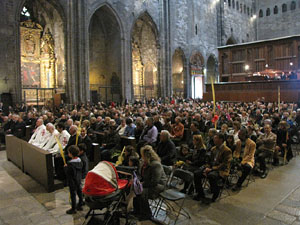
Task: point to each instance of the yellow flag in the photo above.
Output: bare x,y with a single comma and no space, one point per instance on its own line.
278,98
60,149
78,130
213,93
120,159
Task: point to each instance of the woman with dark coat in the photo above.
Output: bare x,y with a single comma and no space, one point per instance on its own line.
153,180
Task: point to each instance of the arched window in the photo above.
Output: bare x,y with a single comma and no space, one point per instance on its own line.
233,4
241,7
237,6
276,9
268,12
261,13
229,3
248,11
245,9
25,12
284,8
293,5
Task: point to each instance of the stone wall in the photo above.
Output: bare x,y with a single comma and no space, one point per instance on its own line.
280,24
237,22
192,25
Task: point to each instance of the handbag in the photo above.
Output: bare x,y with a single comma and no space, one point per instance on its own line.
137,185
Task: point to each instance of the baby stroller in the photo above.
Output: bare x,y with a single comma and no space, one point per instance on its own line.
103,190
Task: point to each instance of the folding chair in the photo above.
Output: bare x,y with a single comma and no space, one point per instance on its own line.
173,194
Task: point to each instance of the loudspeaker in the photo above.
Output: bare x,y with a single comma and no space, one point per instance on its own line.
94,97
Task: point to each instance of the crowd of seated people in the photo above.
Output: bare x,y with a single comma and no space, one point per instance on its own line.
184,133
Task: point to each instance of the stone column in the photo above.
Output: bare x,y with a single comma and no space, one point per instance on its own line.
77,82
126,59
71,89
165,59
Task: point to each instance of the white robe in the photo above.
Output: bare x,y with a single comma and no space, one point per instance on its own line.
38,136
63,137
48,146
44,139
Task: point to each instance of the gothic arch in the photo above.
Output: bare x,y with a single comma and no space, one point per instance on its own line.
145,57
212,67
231,41
54,20
105,54
197,70
98,6
179,73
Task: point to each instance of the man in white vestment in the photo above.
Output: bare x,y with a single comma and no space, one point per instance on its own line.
63,137
39,134
49,145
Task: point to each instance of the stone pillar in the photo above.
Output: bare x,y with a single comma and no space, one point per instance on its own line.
83,79
71,89
165,50
126,58
77,83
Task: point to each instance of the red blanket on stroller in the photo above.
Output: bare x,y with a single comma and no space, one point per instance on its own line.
103,180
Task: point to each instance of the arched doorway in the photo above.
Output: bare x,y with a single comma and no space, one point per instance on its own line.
105,56
145,76
211,70
178,73
42,50
197,75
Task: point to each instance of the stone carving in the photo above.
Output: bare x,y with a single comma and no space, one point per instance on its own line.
47,45
30,24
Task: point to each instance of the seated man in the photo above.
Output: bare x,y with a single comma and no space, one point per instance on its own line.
166,149
49,145
177,129
45,138
282,144
248,146
130,129
266,143
194,131
216,171
149,134
39,133
63,137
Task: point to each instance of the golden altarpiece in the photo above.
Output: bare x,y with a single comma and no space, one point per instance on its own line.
37,63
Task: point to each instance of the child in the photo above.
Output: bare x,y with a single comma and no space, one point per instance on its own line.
73,170
134,162
84,160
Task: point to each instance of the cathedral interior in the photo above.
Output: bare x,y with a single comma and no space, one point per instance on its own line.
154,58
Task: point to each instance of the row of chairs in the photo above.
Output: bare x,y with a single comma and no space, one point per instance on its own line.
172,193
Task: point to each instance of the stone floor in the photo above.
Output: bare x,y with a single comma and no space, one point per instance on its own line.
274,200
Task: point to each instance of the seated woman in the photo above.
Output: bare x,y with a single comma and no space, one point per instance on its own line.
198,158
230,143
153,180
129,151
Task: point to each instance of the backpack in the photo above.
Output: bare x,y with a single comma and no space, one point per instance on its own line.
137,185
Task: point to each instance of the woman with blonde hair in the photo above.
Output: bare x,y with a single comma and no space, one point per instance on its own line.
198,158
153,180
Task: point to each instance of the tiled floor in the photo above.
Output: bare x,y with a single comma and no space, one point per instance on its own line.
274,200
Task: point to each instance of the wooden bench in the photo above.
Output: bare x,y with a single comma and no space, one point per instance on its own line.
32,160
